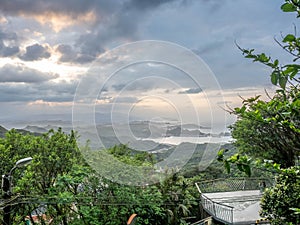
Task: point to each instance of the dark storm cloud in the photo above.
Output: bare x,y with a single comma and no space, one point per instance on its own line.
87,47
131,13
7,51
191,91
121,25
145,4
35,52
84,55
68,54
17,74
39,7
47,91
8,35
115,22
15,92
57,91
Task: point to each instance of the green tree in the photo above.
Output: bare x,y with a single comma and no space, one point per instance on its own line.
270,131
178,198
279,203
165,202
60,184
54,154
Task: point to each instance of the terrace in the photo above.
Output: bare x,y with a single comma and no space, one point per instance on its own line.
234,200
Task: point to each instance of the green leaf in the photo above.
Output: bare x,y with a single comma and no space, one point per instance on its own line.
293,74
237,110
289,69
276,166
274,77
243,109
282,82
289,38
296,103
296,210
288,7
220,155
234,158
227,166
250,56
263,58
240,167
247,170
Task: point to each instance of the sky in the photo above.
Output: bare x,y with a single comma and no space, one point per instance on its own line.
124,60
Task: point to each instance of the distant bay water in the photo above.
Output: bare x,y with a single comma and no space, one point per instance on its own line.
196,140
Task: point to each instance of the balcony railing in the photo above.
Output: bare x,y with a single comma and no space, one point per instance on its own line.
219,211
224,212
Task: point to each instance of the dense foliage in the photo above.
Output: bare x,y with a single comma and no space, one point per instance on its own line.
59,186
267,132
279,203
270,129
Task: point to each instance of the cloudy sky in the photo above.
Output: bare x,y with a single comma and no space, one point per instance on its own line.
54,54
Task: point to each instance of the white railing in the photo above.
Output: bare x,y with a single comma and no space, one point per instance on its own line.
218,210
221,212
